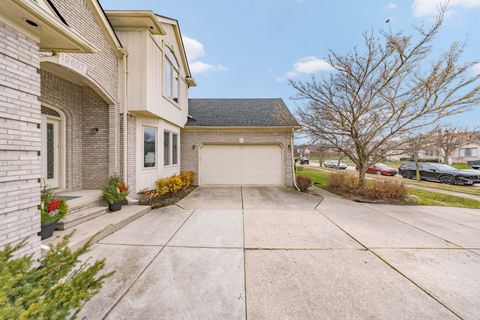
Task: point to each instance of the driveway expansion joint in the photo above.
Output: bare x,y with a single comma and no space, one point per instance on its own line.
146,267
416,284
411,225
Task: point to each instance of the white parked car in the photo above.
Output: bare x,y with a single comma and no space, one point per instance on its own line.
333,164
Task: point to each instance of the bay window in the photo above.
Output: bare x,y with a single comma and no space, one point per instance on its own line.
149,147
170,148
166,148
171,76
174,148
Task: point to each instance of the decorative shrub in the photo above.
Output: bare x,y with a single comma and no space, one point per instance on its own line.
165,187
169,185
51,209
115,190
303,183
187,178
57,289
377,189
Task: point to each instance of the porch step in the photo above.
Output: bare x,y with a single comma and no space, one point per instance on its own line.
80,216
98,228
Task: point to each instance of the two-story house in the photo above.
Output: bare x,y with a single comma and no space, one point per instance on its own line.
85,94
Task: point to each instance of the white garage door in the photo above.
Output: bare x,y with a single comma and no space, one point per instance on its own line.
240,165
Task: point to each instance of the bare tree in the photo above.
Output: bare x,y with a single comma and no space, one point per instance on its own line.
450,138
375,97
413,146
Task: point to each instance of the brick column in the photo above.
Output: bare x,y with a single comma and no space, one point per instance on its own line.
114,139
20,145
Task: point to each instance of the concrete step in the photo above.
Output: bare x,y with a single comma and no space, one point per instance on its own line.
83,199
98,228
80,216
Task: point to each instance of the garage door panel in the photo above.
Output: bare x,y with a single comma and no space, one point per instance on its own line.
241,164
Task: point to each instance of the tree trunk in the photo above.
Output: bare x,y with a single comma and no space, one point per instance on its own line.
361,175
417,166
340,157
446,158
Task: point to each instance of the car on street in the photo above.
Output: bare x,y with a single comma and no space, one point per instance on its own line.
439,172
381,169
334,164
475,164
302,160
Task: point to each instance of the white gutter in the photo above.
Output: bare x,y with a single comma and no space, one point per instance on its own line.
125,118
293,162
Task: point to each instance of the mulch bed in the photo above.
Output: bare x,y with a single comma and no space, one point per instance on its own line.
167,200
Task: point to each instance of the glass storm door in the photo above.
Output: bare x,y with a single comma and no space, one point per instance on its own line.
50,151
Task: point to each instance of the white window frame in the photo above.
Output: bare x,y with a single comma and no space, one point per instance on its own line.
170,148
171,60
468,152
143,147
178,147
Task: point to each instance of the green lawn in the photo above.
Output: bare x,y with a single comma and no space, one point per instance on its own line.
429,198
448,187
455,188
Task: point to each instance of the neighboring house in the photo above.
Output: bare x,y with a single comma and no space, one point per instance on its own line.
86,94
463,154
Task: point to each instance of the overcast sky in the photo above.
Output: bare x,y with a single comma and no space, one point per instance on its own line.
249,48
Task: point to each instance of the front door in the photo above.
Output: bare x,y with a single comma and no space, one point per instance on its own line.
50,151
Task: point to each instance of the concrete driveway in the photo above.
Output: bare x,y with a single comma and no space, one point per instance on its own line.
274,253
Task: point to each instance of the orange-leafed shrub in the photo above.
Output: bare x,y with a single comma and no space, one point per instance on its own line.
187,178
383,189
169,185
303,183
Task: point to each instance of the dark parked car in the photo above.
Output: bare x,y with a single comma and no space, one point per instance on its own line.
439,172
302,160
381,169
474,164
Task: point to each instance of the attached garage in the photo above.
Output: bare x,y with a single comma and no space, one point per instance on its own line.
241,165
239,142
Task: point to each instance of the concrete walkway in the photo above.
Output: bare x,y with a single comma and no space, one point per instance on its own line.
274,253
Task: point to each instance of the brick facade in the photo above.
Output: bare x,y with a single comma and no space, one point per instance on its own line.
189,158
102,77
20,144
92,102
131,152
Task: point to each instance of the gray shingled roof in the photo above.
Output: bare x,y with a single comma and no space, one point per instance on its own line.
239,113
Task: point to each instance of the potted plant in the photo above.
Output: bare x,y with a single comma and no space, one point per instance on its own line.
115,192
51,210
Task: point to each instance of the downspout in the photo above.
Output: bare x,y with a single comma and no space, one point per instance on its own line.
125,120
293,161
124,114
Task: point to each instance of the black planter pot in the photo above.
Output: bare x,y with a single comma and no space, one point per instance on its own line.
115,206
46,230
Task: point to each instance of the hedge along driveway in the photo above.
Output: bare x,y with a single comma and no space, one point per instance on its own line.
428,196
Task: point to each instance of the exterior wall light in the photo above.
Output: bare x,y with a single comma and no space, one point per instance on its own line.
93,131
31,23
193,147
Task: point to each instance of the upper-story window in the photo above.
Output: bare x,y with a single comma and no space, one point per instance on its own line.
171,75
468,152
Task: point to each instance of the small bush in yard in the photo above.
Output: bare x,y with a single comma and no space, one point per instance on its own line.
348,184
303,183
169,185
57,289
168,190
187,178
